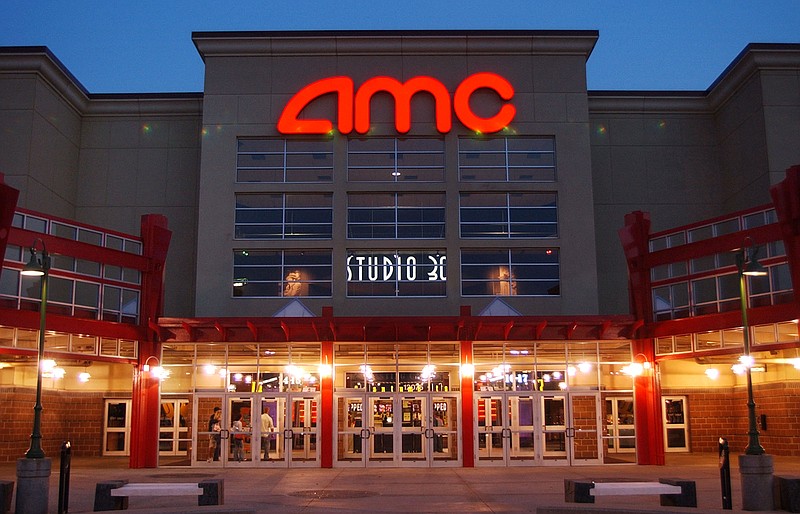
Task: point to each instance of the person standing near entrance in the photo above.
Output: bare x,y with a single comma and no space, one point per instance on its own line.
238,438
214,436
267,425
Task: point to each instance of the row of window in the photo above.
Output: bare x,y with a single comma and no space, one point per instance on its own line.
720,293
503,159
761,334
70,297
68,343
396,215
76,233
484,272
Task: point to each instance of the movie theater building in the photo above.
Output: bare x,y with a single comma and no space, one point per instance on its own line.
415,248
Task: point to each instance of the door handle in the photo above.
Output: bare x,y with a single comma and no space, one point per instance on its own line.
570,432
223,434
506,433
429,433
366,433
288,434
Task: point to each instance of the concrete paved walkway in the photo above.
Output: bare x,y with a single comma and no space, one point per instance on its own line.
441,490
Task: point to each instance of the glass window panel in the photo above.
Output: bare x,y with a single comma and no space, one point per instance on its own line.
87,294
683,343
754,220
726,227
60,290
705,263
9,282
708,340
704,290
728,286
701,233
62,230
108,347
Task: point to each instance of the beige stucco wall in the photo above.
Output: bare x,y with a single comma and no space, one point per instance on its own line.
104,160
249,80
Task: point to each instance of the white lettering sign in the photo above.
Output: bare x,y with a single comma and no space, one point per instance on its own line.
408,267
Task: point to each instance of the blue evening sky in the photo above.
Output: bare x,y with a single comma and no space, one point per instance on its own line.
114,46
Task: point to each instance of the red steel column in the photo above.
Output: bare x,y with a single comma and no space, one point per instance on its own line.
326,407
647,407
635,238
146,400
8,204
467,405
786,198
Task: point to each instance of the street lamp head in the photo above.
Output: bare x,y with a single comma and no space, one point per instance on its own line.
747,260
753,268
37,266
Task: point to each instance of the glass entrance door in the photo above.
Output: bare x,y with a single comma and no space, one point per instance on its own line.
210,444
239,423
350,430
620,434
442,432
521,434
173,431
413,426
517,429
379,420
300,437
676,437
507,429
491,430
418,429
554,428
287,430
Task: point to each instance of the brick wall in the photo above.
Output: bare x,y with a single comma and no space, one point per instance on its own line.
722,412
66,416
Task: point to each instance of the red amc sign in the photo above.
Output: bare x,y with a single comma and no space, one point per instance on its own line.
353,105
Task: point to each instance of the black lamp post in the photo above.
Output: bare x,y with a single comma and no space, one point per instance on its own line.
38,266
748,265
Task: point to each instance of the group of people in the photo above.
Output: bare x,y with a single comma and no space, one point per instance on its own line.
239,434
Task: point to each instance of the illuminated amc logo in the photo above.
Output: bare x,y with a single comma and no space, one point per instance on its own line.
385,268
353,105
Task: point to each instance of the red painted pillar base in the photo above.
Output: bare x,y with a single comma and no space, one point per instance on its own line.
647,406
467,405
326,406
145,410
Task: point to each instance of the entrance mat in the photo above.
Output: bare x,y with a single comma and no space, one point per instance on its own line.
333,493
182,475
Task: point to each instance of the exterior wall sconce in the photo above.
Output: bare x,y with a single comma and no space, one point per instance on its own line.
325,369
637,368
156,371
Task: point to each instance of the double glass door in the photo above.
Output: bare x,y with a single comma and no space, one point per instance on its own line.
278,430
532,428
397,429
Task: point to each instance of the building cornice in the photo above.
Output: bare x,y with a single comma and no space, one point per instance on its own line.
620,102
38,60
754,58
322,43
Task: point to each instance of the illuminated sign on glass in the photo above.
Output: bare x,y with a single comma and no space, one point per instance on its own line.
410,267
353,105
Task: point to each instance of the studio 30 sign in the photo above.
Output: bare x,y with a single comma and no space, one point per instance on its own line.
353,105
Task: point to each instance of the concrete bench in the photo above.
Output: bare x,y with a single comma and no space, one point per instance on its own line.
672,492
787,492
114,494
